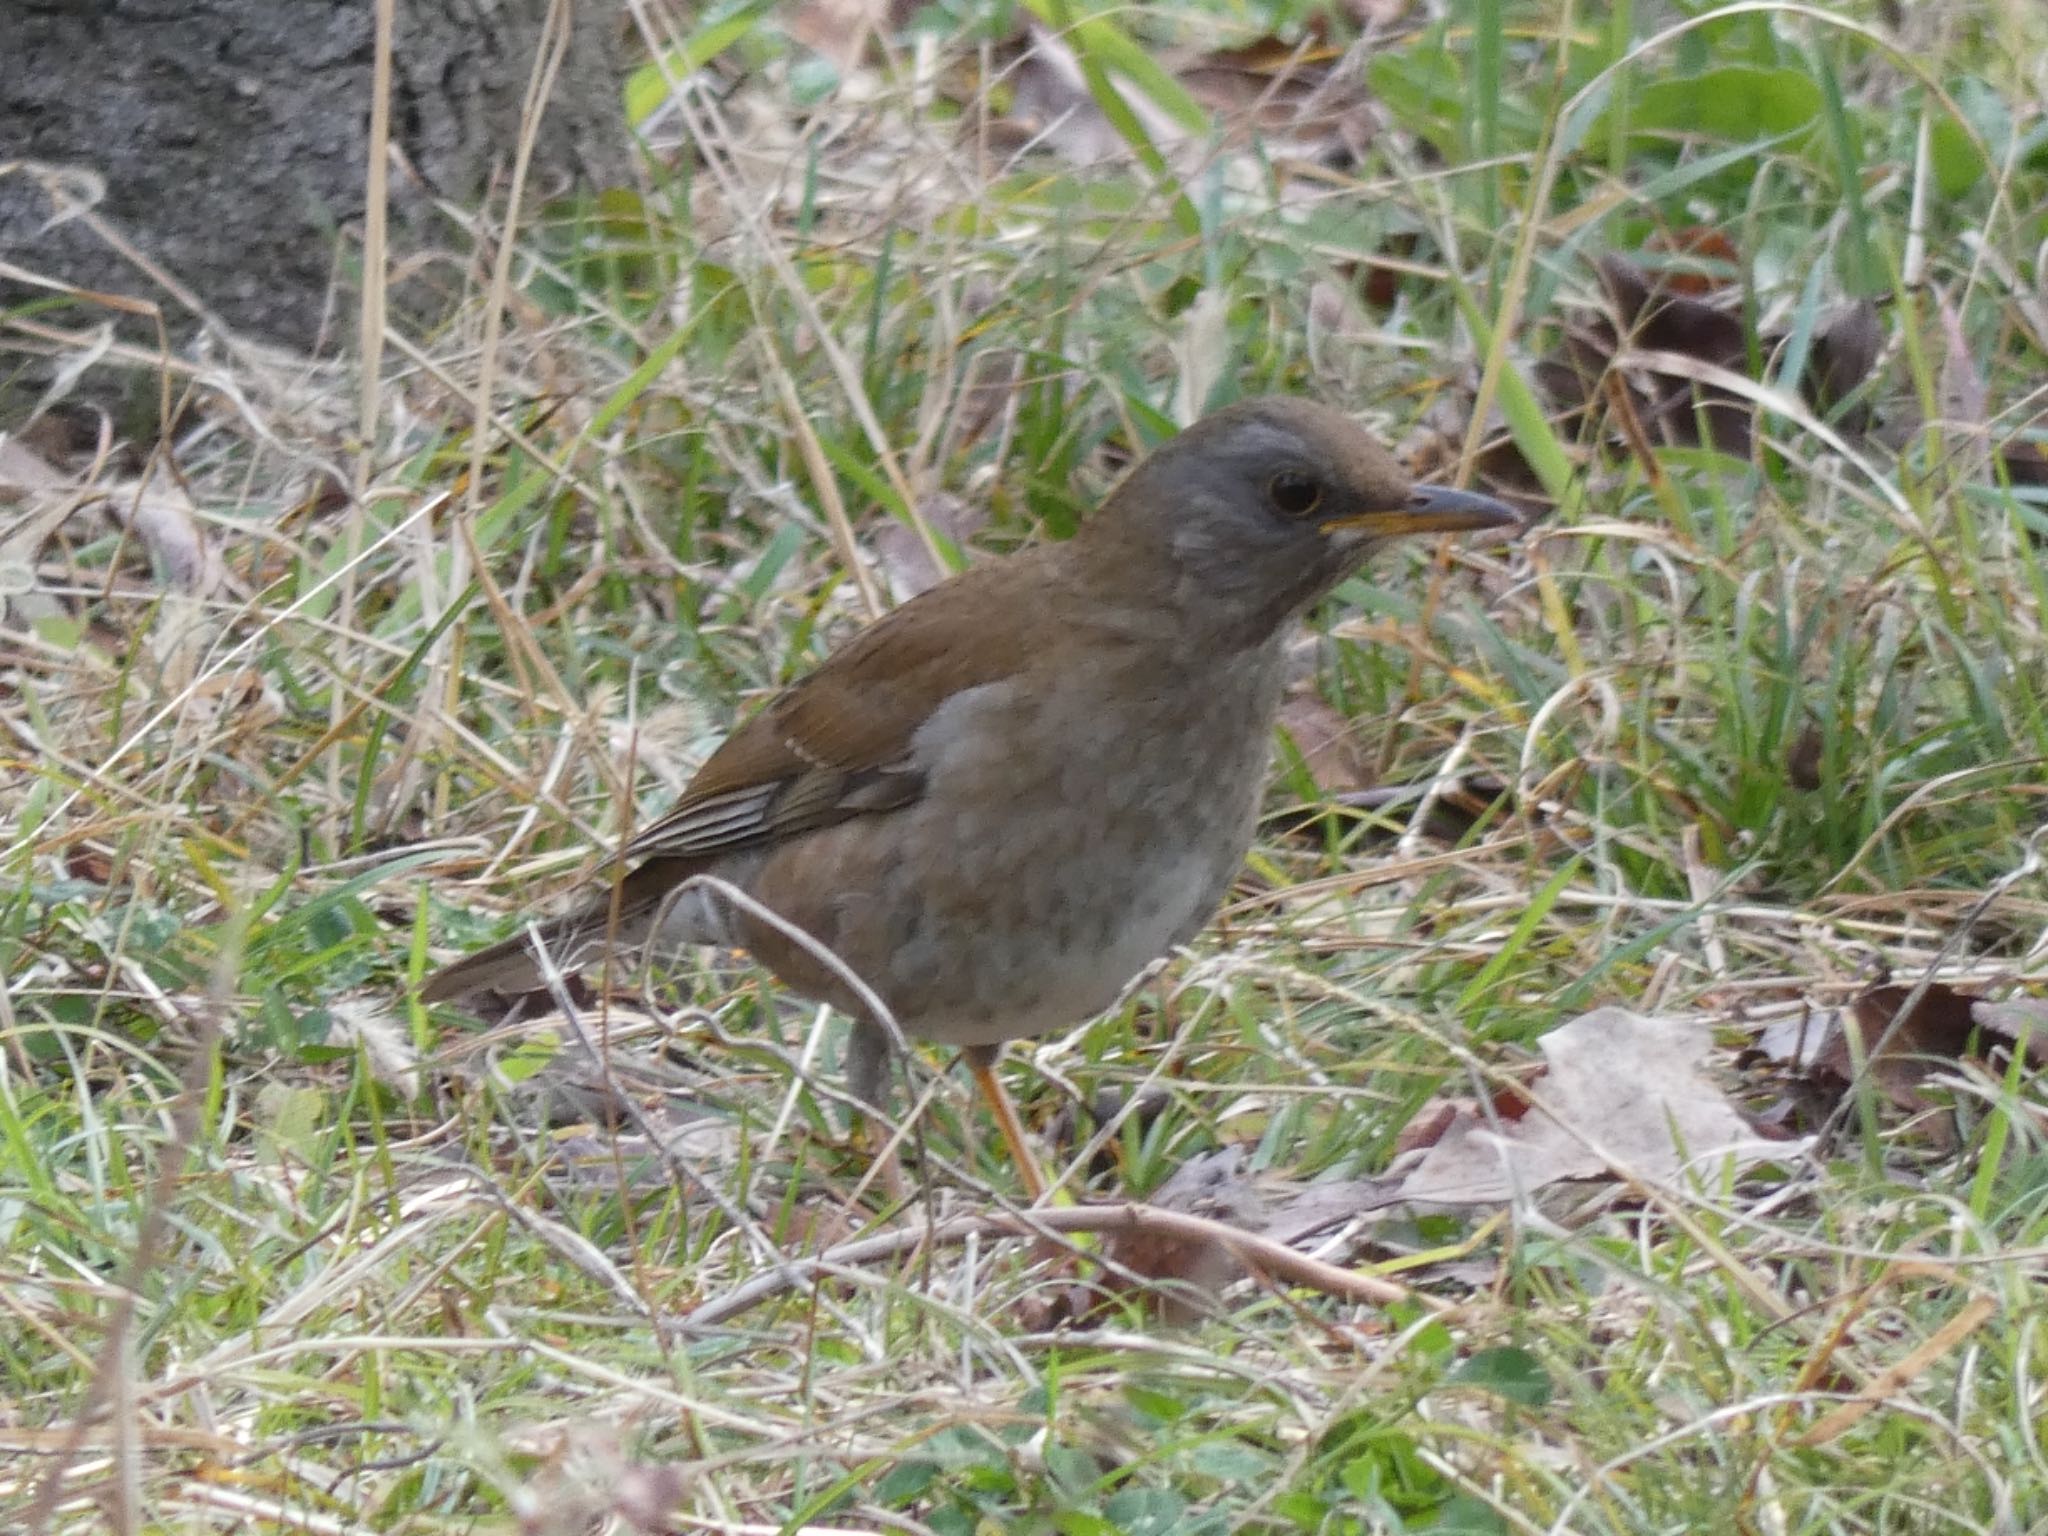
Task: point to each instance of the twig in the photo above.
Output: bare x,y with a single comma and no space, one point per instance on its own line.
1253,1251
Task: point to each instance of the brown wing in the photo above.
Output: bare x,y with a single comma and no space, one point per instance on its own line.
837,743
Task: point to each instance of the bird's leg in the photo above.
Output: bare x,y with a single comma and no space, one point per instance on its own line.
867,1063
868,1055
981,1061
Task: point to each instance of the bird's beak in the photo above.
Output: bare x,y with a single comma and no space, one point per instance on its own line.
1429,509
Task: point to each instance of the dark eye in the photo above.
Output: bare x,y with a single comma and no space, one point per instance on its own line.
1294,493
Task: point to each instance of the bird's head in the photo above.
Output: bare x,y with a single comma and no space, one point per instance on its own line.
1257,510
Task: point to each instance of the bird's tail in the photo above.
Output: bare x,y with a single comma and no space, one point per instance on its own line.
577,938
514,964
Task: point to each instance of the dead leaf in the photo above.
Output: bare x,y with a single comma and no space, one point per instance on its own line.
1937,1031
840,30
1327,742
1452,811
27,480
1646,315
1436,1119
1461,805
1943,1028
1803,762
1379,282
23,468
1188,1274
1328,1203
906,558
1707,259
1430,1124
168,524
1795,1040
1284,93
1284,96
92,865
1623,1093
2025,463
2020,1020
1052,109
1843,359
1689,316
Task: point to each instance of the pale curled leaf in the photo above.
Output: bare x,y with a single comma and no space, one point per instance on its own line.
905,553
1327,742
35,500
163,517
1623,1093
841,30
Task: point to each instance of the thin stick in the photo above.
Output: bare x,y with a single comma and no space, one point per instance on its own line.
1254,1252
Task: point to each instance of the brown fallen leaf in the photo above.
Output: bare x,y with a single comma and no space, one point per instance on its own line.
2025,462
1707,258
1459,806
1844,357
1441,1116
1902,1048
1936,1032
1803,762
1644,312
1187,1273
1276,90
1430,1124
1681,312
1453,811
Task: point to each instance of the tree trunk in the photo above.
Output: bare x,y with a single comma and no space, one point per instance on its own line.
224,142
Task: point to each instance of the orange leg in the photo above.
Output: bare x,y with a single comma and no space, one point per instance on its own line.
981,1061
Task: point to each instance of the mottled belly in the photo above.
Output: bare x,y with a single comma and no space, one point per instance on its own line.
1051,961
1027,886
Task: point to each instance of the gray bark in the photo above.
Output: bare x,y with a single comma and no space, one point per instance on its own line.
229,139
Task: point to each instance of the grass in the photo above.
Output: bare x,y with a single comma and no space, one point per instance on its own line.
280,1251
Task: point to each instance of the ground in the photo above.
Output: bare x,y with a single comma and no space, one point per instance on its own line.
1743,306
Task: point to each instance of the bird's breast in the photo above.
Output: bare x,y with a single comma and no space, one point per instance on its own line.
1067,837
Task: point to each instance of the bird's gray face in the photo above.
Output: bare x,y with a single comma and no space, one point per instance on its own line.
1266,507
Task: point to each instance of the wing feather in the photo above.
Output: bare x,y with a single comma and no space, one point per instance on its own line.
838,743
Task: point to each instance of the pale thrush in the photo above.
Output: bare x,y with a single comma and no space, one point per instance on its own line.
1000,802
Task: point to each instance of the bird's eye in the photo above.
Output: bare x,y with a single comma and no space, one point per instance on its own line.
1294,493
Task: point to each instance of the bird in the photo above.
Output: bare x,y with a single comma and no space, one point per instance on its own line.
1002,800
